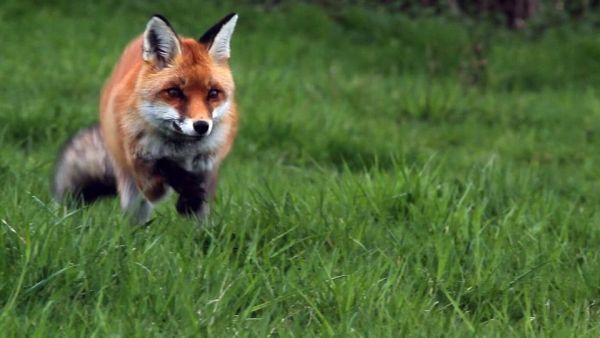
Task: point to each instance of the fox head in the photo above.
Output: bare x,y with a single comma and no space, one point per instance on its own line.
185,87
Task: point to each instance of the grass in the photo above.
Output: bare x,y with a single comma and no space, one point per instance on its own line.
375,188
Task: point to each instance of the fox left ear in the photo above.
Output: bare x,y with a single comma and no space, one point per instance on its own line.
218,36
161,44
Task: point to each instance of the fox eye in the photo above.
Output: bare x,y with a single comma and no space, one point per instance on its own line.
175,93
213,93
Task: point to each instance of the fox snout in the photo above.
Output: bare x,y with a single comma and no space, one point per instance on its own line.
189,127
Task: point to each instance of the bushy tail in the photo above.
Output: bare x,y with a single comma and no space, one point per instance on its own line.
83,170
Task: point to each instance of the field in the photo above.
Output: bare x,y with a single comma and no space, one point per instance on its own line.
394,176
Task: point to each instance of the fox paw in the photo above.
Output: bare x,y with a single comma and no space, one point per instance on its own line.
192,206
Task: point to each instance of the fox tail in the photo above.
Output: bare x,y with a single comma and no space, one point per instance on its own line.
83,170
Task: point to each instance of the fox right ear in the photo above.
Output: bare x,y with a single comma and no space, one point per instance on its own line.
161,44
218,36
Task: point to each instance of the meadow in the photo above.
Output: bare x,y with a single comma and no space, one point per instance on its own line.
394,176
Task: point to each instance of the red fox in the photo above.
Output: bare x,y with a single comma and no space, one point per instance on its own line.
167,120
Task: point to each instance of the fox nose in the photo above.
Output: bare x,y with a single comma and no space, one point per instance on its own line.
202,127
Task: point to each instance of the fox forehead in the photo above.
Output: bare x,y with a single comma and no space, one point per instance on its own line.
193,53
193,68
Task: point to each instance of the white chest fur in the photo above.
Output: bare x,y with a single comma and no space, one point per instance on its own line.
196,155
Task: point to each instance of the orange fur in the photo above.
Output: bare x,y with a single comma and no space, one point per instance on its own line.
135,81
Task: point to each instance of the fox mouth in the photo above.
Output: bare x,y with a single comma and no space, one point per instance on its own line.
174,137
176,127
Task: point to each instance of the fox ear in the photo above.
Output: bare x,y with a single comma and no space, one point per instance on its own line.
218,36
161,44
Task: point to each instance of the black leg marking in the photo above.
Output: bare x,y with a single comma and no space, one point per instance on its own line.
181,180
191,187
190,205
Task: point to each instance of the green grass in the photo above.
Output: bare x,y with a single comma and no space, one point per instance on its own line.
373,191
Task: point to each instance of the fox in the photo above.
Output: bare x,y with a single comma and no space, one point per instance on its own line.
168,118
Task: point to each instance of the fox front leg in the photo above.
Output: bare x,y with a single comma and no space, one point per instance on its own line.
194,188
139,191
136,208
